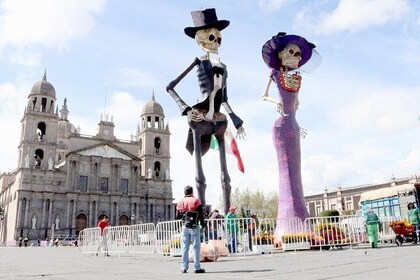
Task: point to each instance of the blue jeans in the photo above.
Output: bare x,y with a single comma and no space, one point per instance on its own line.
190,235
232,242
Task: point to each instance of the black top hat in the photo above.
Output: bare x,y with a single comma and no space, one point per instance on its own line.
203,20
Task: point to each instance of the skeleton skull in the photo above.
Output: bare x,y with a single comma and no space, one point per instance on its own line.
290,56
209,39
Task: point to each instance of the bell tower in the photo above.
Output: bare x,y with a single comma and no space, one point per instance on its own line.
38,141
153,136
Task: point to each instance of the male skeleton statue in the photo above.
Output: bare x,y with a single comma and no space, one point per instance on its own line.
205,118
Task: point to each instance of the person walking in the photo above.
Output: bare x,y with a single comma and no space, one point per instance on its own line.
213,224
414,218
190,210
232,228
372,223
103,224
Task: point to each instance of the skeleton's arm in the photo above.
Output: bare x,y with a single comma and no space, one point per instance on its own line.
170,88
267,98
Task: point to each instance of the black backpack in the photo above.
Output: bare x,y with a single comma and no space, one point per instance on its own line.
191,219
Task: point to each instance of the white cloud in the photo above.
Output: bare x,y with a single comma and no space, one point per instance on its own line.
25,58
385,111
10,99
357,15
50,23
136,78
272,5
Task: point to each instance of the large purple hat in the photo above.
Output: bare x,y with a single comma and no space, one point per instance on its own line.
273,46
203,20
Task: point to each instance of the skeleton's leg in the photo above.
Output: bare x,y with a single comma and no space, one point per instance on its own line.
200,179
225,178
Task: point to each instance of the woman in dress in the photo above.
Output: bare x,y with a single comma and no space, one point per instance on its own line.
284,53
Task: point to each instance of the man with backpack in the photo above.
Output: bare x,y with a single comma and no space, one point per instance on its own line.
190,210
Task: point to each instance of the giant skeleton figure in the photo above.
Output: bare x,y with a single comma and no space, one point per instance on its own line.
284,53
205,118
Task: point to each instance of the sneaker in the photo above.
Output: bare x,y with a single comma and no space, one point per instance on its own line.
184,271
201,270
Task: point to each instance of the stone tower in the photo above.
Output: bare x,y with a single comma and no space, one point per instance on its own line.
38,141
153,137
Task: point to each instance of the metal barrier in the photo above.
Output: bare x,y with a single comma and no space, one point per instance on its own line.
142,238
90,240
235,237
297,237
168,238
327,232
117,240
387,234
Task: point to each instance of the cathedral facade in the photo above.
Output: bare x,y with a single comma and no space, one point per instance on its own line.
66,181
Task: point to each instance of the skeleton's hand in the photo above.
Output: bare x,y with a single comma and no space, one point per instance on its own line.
280,109
194,116
303,132
240,134
185,110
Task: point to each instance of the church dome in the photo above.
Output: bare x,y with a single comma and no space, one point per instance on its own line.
43,87
65,128
153,108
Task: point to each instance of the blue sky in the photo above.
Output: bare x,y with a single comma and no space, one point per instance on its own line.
360,107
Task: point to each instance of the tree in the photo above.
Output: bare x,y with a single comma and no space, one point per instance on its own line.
265,206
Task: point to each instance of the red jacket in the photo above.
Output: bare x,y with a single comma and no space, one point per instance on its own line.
103,224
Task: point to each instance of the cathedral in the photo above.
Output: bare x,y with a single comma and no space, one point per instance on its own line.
66,181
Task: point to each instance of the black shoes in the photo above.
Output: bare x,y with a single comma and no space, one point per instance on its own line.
184,271
201,270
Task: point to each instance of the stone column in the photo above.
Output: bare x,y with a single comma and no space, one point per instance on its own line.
117,214
90,217
68,211
112,214
19,214
25,219
73,223
44,212
50,214
96,214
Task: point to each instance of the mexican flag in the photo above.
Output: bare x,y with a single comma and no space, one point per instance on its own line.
231,147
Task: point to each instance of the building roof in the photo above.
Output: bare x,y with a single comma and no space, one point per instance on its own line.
153,108
386,192
43,87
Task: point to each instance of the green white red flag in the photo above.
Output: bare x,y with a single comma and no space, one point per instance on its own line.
231,147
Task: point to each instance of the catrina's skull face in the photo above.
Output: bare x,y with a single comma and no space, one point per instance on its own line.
290,56
209,39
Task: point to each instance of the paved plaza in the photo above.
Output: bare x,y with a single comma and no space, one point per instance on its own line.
386,262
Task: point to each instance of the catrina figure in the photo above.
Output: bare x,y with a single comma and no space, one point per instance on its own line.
284,54
205,118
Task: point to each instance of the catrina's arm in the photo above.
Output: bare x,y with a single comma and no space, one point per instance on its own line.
270,99
170,88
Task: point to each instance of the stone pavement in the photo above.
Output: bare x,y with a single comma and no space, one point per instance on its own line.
386,262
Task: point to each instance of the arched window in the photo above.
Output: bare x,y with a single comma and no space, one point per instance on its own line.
123,220
81,223
39,156
40,131
157,169
157,145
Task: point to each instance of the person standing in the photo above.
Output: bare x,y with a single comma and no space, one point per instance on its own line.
414,218
190,210
103,224
213,224
373,224
232,229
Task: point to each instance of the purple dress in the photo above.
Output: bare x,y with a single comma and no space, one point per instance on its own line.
286,139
